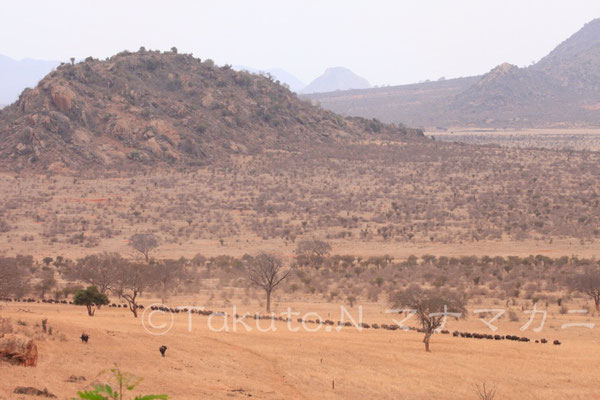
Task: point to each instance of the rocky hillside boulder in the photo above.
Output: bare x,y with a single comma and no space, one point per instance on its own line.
18,350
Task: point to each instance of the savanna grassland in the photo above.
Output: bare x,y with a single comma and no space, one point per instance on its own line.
441,216
366,199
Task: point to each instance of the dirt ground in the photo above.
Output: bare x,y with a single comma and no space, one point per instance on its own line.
348,364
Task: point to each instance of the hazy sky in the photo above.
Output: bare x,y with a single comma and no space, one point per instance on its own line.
387,42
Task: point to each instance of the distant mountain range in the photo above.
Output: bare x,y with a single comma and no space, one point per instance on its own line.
562,89
17,75
337,78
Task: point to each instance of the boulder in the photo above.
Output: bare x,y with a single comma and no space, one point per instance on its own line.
62,97
18,349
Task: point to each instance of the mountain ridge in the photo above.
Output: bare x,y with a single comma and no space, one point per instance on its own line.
560,90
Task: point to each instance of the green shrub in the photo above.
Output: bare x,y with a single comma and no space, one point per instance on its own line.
124,381
91,298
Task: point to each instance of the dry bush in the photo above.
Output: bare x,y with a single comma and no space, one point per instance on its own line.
485,392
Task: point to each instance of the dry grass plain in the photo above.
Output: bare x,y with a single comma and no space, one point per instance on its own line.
549,138
302,365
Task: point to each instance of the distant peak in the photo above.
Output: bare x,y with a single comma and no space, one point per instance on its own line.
336,78
504,68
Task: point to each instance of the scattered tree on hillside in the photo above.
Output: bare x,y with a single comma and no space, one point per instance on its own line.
144,243
167,274
588,283
312,252
91,298
431,306
267,271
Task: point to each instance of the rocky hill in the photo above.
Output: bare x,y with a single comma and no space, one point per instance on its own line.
575,63
150,107
337,78
562,89
509,96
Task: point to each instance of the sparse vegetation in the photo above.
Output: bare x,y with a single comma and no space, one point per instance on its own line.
124,383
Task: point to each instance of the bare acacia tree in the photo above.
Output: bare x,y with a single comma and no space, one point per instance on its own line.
131,281
46,282
144,243
98,270
167,274
267,271
588,283
432,307
312,252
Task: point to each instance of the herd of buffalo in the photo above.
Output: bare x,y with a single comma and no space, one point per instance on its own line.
328,322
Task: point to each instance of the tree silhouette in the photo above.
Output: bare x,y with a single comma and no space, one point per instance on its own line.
431,306
588,283
144,243
267,271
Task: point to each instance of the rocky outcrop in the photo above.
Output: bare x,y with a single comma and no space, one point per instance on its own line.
18,350
62,97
